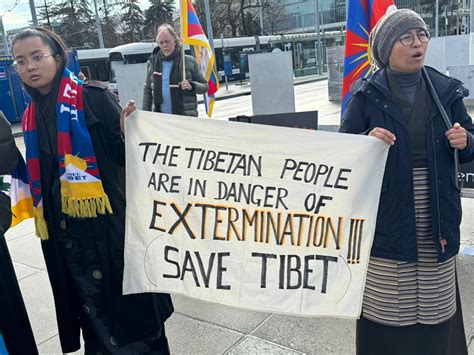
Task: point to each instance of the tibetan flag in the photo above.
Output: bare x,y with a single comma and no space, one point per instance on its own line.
20,195
362,16
193,34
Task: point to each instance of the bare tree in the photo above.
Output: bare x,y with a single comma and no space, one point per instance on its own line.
231,15
274,14
218,16
244,19
45,13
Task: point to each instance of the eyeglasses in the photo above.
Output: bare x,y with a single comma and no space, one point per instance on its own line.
21,64
409,38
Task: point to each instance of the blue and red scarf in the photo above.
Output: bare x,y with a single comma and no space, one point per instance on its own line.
82,193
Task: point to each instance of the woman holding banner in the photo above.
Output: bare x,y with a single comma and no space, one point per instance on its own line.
169,88
411,303
15,328
75,157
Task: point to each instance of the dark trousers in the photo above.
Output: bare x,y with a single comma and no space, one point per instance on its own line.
158,347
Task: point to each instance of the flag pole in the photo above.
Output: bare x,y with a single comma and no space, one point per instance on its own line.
182,38
210,35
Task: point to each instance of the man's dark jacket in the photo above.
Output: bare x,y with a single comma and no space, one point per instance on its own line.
373,105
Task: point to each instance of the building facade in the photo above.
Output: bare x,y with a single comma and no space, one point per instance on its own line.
453,15
298,27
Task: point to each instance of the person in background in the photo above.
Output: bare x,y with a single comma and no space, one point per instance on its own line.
75,158
15,326
165,88
82,77
411,303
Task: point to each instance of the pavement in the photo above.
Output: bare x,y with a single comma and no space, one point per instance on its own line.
198,327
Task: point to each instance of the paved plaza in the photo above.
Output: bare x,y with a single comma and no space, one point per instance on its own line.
202,328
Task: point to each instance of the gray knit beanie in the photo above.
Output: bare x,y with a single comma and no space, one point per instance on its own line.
388,29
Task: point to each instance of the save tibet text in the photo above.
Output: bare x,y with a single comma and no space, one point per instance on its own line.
259,226
294,271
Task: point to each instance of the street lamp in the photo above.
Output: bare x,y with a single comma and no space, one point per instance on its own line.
4,36
98,26
317,44
34,18
297,16
436,17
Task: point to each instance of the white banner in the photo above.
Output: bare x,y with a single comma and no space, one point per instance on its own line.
259,217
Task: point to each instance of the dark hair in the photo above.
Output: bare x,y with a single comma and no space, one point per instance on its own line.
50,39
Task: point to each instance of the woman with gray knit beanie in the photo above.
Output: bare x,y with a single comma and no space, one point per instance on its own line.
411,302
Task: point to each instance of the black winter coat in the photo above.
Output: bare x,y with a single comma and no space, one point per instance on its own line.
373,105
14,323
84,257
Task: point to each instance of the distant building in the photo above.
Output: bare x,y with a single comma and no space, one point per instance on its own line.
301,15
454,18
12,33
9,35
298,27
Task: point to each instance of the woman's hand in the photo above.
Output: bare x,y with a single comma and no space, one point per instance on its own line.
186,85
457,137
125,112
384,135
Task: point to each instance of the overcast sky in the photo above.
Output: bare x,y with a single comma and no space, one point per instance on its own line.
20,15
